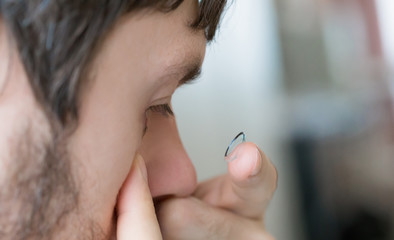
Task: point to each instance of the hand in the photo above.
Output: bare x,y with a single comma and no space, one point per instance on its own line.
231,206
135,209
227,207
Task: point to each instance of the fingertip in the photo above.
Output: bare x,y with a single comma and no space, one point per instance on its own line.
136,218
135,183
257,163
141,166
247,162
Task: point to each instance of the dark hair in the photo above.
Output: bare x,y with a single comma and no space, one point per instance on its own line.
57,39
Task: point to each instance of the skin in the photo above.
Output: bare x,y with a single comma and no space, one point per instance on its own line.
140,64
128,80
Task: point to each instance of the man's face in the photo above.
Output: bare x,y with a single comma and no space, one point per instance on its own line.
139,65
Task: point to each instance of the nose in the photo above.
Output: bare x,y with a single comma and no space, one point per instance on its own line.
170,170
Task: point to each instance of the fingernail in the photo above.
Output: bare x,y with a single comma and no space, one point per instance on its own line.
233,155
141,166
233,147
257,164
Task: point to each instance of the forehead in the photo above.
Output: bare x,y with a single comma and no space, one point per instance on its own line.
156,41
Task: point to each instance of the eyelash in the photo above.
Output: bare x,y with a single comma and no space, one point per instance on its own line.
164,109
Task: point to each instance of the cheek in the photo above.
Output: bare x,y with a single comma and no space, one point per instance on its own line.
110,124
103,146
102,150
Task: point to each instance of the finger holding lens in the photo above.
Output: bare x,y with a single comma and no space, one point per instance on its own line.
249,184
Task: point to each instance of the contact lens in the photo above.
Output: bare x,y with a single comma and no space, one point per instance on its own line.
240,138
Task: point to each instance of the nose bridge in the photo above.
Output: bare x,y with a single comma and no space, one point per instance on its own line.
170,170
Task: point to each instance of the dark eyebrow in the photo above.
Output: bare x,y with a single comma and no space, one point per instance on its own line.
192,70
190,76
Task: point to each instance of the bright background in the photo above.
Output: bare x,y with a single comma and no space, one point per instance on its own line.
311,82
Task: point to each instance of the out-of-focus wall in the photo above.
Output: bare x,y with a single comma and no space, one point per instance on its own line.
311,82
386,20
241,90
337,76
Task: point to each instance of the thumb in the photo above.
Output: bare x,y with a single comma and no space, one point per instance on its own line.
136,212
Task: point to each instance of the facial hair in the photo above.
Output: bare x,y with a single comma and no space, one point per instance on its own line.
39,197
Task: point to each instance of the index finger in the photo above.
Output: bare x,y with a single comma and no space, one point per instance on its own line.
247,188
136,214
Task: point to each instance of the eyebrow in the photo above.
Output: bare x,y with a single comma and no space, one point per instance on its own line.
191,70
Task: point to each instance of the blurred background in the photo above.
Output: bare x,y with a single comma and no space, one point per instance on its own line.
312,83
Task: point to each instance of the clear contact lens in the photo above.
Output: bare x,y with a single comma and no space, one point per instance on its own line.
240,138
